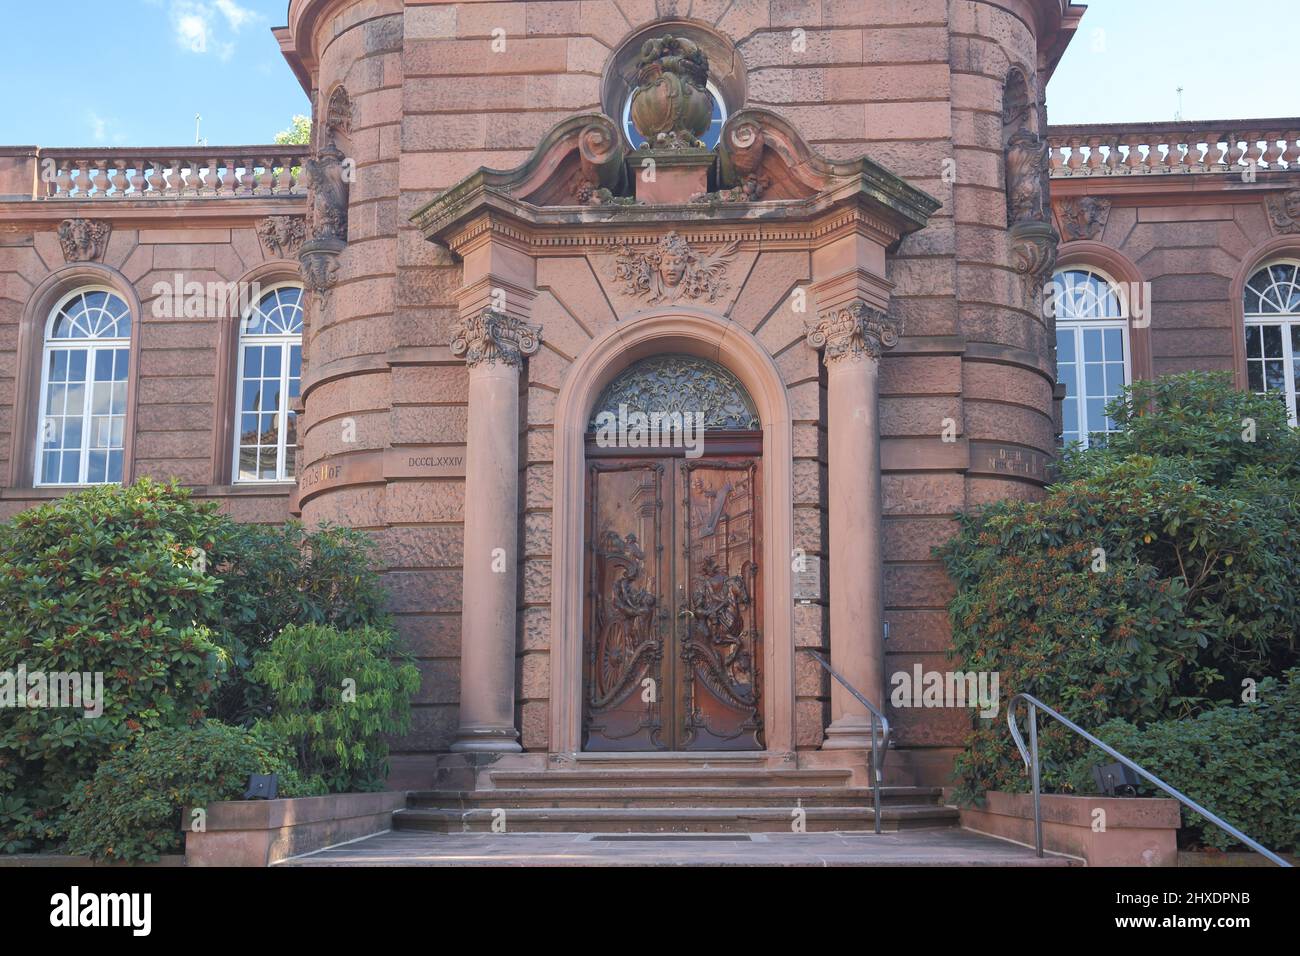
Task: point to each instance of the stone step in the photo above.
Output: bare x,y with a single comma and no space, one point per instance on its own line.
638,796
667,777
672,819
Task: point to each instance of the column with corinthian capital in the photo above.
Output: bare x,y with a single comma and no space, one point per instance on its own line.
494,346
852,338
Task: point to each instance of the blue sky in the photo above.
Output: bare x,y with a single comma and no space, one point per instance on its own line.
134,72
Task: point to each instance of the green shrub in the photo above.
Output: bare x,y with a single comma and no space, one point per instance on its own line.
276,576
1242,762
335,695
106,581
1149,581
132,807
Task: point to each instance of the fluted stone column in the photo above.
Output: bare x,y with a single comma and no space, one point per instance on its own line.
851,339
494,345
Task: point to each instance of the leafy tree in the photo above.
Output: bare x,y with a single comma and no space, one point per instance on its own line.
298,133
110,581
1149,581
132,809
336,694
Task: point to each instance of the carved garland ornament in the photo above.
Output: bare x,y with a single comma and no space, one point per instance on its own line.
83,239
673,270
492,337
855,332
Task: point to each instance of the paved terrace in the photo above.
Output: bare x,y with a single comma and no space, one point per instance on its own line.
908,848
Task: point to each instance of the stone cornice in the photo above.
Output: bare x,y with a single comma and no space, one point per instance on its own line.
564,230
149,213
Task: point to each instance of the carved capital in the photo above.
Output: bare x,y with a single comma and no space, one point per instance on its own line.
854,332
490,336
84,239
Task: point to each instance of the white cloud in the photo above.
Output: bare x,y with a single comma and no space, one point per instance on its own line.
104,129
235,15
195,25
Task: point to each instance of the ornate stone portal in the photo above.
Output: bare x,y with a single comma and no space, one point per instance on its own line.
659,269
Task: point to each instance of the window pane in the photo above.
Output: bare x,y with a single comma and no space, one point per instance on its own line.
1255,376
101,398
1114,345
1092,345
271,362
50,467
1096,415
1275,376
1065,346
1254,342
1094,379
103,366
1273,341
97,467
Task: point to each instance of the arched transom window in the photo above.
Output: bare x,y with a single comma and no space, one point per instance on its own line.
84,367
1273,332
270,370
1092,350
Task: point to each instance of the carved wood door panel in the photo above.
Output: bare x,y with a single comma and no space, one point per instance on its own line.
672,643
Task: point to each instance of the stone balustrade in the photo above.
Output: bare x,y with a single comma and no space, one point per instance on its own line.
1127,149
222,172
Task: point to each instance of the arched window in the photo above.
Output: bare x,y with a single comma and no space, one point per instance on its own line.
709,138
84,366
270,369
1273,332
1092,350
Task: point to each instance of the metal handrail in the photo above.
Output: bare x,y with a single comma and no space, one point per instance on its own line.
877,751
1030,758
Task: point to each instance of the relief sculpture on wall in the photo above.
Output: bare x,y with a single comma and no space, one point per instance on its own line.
673,270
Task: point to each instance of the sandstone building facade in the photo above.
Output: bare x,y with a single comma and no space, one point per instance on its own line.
853,244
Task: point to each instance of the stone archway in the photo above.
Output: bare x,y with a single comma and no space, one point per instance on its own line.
718,340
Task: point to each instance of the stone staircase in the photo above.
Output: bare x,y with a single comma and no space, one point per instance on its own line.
687,796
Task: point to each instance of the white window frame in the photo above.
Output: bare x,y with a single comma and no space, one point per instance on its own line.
286,341
713,91
1285,321
1077,327
92,347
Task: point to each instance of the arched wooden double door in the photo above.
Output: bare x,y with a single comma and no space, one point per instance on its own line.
672,635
